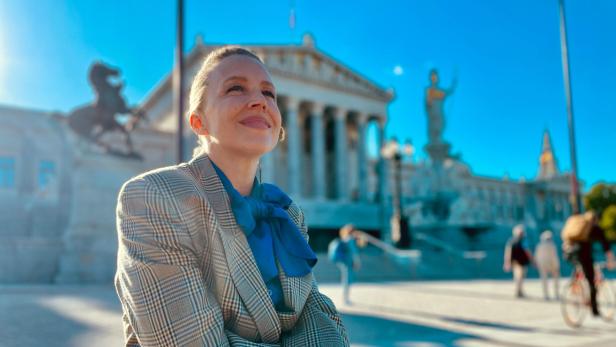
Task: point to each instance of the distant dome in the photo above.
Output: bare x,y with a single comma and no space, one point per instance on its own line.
308,40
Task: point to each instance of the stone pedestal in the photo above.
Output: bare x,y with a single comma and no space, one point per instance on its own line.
438,151
90,240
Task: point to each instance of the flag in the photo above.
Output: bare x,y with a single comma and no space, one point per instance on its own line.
292,19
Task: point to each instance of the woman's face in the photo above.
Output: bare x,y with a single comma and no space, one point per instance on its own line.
240,114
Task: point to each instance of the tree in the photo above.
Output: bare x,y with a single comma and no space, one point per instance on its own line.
608,222
602,199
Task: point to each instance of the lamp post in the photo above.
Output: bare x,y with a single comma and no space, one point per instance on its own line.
178,80
400,228
575,188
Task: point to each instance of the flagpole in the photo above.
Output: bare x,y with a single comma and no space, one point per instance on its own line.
292,19
575,189
178,80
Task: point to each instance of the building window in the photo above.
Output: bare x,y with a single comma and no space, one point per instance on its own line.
7,172
519,213
46,173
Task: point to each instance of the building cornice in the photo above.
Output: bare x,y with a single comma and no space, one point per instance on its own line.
199,51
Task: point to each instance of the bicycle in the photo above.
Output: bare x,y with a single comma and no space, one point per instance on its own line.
575,297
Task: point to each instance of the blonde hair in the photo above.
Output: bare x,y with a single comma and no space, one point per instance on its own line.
200,83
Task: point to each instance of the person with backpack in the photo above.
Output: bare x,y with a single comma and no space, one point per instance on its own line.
579,234
344,253
517,258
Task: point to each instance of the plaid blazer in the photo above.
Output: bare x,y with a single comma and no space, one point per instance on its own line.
186,275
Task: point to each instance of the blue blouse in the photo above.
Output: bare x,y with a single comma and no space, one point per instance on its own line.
271,234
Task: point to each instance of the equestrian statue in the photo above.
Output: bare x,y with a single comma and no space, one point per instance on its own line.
93,120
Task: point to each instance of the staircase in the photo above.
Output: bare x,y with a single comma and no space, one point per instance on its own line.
376,266
433,259
441,260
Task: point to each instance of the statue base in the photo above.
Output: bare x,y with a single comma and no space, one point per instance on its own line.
438,151
90,242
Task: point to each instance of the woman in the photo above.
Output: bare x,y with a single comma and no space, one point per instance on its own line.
517,258
208,255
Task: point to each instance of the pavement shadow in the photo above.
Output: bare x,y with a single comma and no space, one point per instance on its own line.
475,294
58,316
367,329
477,322
27,323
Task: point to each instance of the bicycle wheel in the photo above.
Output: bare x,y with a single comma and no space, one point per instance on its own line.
574,303
606,300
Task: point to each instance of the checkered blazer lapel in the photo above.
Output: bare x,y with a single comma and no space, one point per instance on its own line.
295,289
242,266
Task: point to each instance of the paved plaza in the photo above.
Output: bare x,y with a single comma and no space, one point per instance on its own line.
422,314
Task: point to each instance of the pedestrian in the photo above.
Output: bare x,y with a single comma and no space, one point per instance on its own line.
517,258
209,255
344,253
548,264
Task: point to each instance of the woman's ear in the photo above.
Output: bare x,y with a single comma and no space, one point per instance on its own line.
197,124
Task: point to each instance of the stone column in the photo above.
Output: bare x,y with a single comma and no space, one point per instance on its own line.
318,150
294,152
383,179
341,154
382,164
266,165
362,155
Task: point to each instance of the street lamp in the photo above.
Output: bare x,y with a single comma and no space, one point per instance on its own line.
399,223
575,188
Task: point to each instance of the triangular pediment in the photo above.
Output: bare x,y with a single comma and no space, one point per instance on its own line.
299,62
314,66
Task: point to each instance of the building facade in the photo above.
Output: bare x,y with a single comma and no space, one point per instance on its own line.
58,193
34,191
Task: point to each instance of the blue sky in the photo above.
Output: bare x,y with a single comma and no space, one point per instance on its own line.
505,54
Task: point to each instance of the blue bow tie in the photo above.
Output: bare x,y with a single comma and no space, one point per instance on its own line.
270,232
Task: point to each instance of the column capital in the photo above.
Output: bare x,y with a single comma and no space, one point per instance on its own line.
339,112
362,117
292,102
317,108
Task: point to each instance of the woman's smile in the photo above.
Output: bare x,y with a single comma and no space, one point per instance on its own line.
256,122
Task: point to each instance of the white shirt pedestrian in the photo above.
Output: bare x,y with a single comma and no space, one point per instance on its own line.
546,259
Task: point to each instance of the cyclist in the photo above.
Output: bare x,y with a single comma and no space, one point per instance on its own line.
580,251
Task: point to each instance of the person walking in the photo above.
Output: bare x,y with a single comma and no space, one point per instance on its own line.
517,258
548,264
344,253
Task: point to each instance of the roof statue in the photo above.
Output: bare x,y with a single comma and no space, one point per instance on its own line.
435,100
437,147
93,120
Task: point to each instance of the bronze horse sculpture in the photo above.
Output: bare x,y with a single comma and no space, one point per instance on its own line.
93,120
